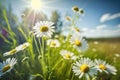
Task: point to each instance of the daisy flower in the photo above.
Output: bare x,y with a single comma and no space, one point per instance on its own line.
75,8
76,29
78,42
53,43
81,11
44,28
23,46
17,49
84,68
68,18
102,66
11,52
68,55
7,65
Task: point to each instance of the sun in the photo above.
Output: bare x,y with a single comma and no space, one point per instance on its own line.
36,4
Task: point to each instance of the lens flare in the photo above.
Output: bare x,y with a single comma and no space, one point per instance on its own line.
36,4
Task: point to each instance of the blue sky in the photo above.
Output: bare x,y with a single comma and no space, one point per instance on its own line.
101,19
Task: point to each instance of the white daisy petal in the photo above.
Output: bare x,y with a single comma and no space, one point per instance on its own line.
23,46
78,42
102,66
84,67
81,75
67,55
7,65
17,49
53,43
43,28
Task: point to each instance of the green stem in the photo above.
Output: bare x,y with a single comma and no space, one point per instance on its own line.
40,45
54,68
43,63
72,76
43,48
37,46
57,64
49,57
29,67
18,74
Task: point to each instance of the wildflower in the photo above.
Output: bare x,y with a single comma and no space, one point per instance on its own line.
75,8
23,46
7,65
77,29
43,28
17,49
11,52
78,42
68,55
53,43
84,67
68,18
96,42
4,32
102,66
81,11
117,55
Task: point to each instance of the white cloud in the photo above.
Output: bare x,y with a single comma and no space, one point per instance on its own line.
118,26
107,17
101,32
100,27
84,29
104,17
117,31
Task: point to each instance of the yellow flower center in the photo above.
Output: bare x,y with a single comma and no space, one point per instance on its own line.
43,28
67,56
102,67
77,43
84,68
24,46
13,51
6,68
53,43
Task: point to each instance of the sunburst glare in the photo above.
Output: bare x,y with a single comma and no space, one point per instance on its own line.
36,5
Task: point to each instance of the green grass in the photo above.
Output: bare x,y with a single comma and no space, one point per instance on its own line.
105,50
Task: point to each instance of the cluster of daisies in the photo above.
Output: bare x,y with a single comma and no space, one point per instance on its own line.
88,69
81,67
78,10
9,63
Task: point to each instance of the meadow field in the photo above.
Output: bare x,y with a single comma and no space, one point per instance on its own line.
107,49
35,46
